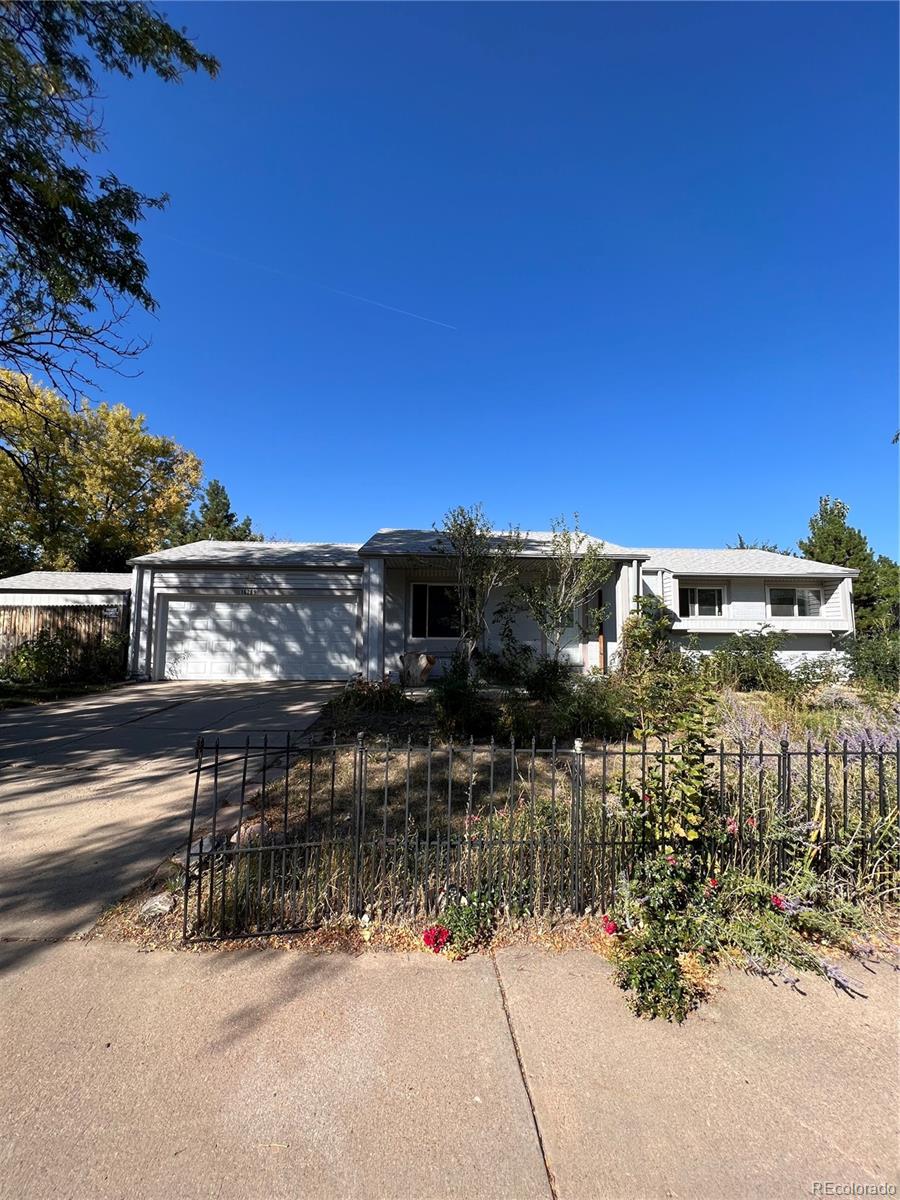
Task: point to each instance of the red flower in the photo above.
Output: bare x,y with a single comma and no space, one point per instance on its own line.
436,936
647,798
713,883
750,822
778,902
609,925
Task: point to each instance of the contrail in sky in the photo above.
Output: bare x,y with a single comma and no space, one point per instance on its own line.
246,262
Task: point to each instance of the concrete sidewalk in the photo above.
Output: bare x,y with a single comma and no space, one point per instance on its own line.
269,1073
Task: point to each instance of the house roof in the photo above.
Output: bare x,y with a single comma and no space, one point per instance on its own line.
67,581
254,554
738,562
389,543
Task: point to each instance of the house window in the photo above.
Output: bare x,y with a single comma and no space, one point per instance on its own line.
795,602
435,611
700,601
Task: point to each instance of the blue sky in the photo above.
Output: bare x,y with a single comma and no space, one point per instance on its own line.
646,258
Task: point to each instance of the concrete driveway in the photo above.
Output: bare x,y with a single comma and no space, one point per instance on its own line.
95,791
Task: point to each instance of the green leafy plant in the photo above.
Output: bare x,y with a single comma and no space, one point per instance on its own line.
549,679
61,657
470,923
459,706
593,706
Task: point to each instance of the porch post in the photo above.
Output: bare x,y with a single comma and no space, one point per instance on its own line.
637,581
374,618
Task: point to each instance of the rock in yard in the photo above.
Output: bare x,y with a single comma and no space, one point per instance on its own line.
172,868
157,906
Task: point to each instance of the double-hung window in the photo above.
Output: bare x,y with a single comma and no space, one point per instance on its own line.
795,601
700,601
435,611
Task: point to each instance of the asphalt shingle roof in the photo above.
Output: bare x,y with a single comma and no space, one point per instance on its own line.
255,554
67,581
389,542
737,562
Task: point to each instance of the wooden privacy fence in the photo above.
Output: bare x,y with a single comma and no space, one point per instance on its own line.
90,624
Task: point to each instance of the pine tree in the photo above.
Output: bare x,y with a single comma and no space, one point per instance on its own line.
214,520
832,540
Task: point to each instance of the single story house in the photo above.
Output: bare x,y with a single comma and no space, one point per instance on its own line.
312,610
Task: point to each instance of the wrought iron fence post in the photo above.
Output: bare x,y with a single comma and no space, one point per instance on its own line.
784,801
577,809
358,801
198,754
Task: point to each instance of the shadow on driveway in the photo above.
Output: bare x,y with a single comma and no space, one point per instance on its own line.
95,792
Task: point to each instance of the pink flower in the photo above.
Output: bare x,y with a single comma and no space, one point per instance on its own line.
609,925
750,822
671,860
732,826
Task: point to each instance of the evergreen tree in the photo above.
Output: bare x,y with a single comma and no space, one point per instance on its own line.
832,540
214,520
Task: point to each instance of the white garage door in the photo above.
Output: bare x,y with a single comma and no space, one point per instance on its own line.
313,638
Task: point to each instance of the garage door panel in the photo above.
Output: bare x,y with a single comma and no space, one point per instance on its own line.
312,638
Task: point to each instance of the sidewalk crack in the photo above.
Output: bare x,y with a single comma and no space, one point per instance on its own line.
551,1178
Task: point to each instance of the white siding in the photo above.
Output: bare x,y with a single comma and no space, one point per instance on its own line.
63,599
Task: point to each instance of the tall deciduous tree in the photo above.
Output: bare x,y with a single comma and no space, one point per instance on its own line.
87,489
482,560
70,256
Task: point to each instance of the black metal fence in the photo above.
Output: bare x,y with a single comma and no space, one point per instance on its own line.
299,834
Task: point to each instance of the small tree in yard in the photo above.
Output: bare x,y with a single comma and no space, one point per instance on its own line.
483,560
567,579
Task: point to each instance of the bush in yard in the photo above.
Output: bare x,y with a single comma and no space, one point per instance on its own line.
507,669
658,678
548,679
593,706
459,706
60,657
873,656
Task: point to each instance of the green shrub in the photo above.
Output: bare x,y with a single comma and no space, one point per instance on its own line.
459,706
518,718
60,657
548,679
593,706
657,984
470,923
748,662
873,657
507,669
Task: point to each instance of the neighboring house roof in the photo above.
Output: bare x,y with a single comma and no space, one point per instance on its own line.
738,562
254,554
387,543
67,581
